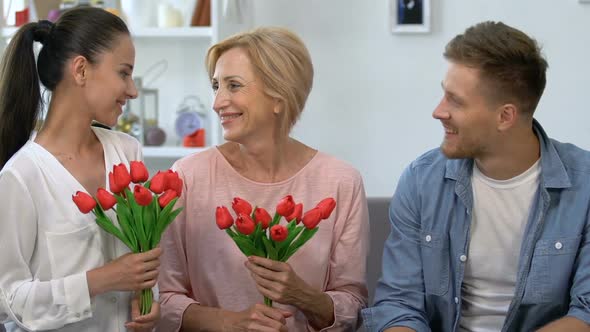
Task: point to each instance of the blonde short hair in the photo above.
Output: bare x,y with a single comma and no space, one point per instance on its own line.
280,59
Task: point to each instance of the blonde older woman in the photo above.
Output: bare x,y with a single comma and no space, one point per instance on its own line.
261,80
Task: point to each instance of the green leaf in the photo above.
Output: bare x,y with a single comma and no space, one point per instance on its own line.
165,214
257,236
270,249
149,221
137,212
107,224
275,220
164,217
284,245
124,217
231,233
304,237
292,224
156,238
245,245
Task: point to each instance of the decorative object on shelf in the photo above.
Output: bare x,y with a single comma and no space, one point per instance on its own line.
53,15
21,17
140,13
195,140
410,16
10,8
233,11
191,117
97,3
140,117
67,4
47,9
129,123
148,113
168,16
202,14
154,136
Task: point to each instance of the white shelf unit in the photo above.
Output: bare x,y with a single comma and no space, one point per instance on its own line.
181,32
7,32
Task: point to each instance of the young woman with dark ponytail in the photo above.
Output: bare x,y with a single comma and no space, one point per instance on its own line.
58,270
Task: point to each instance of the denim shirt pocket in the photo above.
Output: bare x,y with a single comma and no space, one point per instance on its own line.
434,248
550,272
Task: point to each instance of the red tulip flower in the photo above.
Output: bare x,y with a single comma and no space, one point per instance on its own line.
121,175
245,224
105,198
143,196
327,205
173,181
278,233
272,240
241,206
167,197
223,218
312,218
158,183
297,213
84,202
142,216
139,172
262,217
113,186
286,206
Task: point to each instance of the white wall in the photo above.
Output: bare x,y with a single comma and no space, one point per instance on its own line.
374,91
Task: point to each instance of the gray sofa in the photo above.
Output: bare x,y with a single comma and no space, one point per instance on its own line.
380,228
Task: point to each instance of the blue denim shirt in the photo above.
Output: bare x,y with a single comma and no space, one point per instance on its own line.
430,215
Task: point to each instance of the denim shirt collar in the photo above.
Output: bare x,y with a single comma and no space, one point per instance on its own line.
553,173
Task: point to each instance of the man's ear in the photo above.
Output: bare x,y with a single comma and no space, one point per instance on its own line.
79,67
507,116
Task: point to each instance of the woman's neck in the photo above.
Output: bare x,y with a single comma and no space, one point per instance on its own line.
268,162
66,129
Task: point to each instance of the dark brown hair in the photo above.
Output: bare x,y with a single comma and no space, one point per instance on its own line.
85,31
510,62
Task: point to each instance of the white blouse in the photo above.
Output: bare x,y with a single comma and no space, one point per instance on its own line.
47,245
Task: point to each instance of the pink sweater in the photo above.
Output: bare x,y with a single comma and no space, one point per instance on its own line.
201,264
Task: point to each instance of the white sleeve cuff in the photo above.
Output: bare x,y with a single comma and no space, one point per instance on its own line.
77,295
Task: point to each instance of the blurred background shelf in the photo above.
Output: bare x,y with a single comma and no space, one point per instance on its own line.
180,32
169,62
8,31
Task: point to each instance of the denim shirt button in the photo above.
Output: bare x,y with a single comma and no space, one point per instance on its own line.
463,258
428,238
456,300
558,245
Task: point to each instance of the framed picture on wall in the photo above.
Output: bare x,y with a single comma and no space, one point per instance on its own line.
410,16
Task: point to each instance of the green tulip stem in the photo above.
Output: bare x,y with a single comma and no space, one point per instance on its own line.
267,302
145,301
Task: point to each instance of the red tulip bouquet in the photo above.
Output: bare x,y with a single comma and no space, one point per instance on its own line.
142,214
256,233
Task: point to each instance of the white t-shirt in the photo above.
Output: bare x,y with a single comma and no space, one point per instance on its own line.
47,244
500,213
